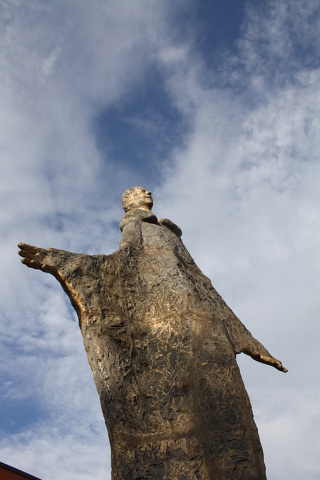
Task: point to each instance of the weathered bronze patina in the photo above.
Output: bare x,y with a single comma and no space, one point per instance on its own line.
162,346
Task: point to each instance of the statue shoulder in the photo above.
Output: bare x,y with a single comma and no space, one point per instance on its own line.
137,214
147,216
172,226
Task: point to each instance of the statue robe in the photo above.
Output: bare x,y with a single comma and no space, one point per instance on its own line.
162,344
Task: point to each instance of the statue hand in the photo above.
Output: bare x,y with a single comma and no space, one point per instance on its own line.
273,362
242,341
38,258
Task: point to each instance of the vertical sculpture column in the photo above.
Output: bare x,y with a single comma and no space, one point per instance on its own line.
162,346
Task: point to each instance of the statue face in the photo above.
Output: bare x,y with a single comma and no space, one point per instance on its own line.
137,197
143,199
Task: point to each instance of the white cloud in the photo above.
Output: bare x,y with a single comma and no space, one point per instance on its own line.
287,433
46,453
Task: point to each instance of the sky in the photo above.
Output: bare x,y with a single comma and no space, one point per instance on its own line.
214,107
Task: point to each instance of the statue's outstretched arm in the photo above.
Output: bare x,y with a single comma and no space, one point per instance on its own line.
242,341
46,259
61,264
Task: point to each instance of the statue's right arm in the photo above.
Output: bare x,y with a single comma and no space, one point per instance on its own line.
46,259
67,267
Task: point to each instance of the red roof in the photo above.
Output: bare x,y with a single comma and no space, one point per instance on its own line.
10,473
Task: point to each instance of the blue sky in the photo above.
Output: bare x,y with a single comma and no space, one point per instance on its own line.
214,107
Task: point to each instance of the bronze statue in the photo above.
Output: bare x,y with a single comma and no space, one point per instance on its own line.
162,346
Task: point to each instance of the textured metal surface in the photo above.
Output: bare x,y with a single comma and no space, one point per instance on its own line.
162,344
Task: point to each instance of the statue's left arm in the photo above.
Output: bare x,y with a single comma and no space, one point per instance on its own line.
243,342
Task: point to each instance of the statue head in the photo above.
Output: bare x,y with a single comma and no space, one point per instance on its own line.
137,198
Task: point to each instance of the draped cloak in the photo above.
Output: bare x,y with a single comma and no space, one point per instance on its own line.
162,343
